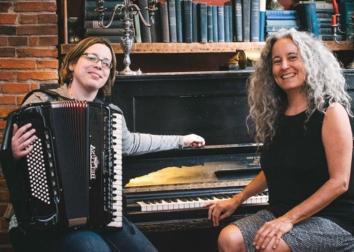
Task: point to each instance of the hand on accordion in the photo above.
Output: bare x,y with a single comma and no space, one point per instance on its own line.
22,139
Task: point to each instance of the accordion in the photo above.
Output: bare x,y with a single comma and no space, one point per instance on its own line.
73,175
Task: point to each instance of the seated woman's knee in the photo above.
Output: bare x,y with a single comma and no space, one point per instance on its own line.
230,238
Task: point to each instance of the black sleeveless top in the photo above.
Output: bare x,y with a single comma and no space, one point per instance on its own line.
295,167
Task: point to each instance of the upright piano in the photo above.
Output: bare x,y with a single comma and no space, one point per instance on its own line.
165,192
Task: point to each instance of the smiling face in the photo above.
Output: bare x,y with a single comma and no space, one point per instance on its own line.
287,66
89,76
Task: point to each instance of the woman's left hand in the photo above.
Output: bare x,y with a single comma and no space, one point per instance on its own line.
193,141
271,232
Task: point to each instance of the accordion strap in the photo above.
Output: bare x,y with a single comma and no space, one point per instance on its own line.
52,94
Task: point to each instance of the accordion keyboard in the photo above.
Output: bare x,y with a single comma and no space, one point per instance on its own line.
117,176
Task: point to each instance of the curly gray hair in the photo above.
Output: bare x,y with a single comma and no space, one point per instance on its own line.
325,83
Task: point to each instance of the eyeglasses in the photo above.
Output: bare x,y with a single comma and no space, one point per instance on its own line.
106,63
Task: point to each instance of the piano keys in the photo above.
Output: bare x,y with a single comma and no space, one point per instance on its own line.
195,202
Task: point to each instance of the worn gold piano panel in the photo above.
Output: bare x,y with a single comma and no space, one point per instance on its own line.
185,174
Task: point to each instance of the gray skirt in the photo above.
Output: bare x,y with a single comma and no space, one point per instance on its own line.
315,234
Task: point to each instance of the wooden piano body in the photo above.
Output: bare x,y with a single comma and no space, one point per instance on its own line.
213,105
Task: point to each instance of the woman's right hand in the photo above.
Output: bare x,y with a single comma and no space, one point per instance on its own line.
220,210
22,139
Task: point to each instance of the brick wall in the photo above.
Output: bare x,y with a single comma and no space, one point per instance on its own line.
28,58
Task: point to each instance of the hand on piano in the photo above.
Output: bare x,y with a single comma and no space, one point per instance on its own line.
220,210
22,139
193,141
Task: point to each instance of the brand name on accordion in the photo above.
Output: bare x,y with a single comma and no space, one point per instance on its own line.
93,162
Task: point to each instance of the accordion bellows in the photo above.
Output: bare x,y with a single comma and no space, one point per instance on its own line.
73,175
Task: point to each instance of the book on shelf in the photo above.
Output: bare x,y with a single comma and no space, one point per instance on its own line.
137,33
91,14
155,26
145,30
179,23
221,23
113,38
307,17
281,14
210,24
165,27
323,14
172,20
231,22
195,22
202,12
287,23
95,24
238,20
226,23
275,28
246,18
92,4
255,5
215,23
187,20
346,12
262,19
324,5
103,31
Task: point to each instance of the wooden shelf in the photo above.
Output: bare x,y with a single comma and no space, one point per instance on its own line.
178,48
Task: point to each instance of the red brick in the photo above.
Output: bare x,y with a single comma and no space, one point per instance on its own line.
14,88
3,41
7,30
47,19
17,63
37,30
48,64
43,41
7,52
18,41
33,41
2,126
8,100
38,75
7,75
48,41
37,52
19,99
6,18
34,86
28,19
35,7
5,6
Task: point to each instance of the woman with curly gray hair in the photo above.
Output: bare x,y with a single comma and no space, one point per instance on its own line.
300,112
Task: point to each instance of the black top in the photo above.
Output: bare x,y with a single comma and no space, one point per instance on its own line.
295,167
